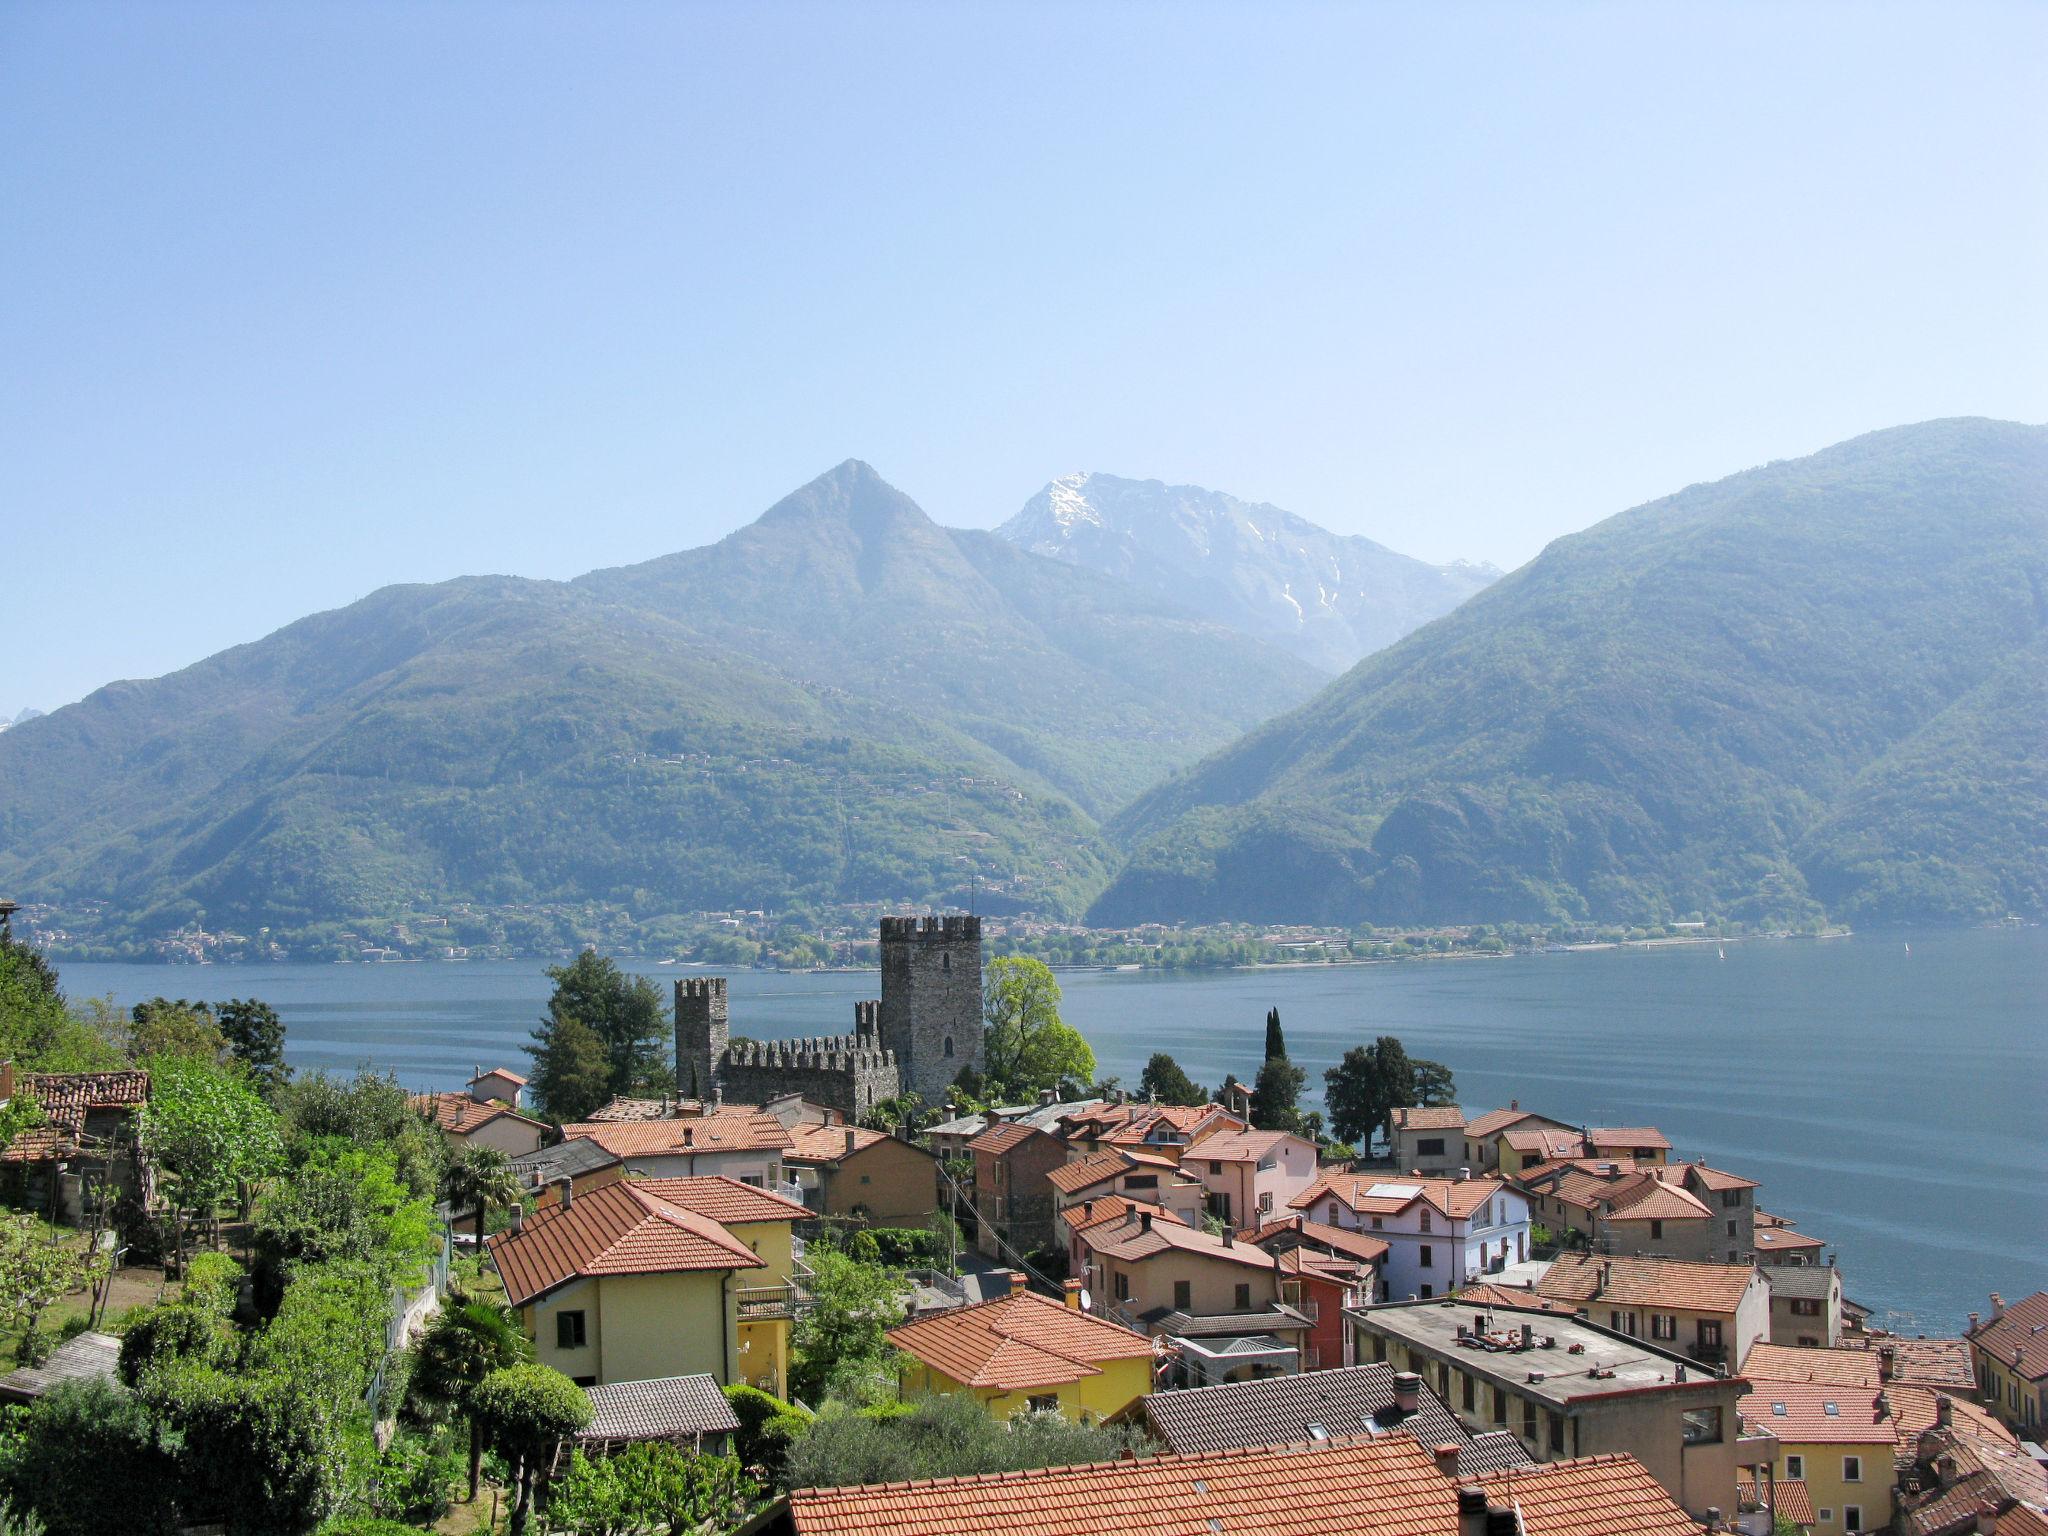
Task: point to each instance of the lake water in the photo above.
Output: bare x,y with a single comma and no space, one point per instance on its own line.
1893,1103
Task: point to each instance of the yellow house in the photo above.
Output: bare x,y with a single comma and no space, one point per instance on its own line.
1026,1353
1837,1438
766,1299
2011,1356
620,1285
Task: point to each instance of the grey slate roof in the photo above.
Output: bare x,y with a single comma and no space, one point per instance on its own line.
566,1159
1277,1410
86,1357
1279,1317
1812,1281
667,1408
1498,1450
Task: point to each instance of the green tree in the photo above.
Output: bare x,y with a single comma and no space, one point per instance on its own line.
481,1177
467,1341
624,1012
38,1031
649,1489
839,1341
1276,1095
1028,1047
88,1460
1164,1081
208,1132
572,1073
1433,1083
343,1203
1276,1043
1364,1087
160,1027
34,1271
526,1411
255,1034
369,1110
945,1436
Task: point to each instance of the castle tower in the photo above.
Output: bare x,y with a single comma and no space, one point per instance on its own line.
867,1023
702,1033
931,999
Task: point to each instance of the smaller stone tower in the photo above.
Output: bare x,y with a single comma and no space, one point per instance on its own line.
702,1034
930,1015
867,1023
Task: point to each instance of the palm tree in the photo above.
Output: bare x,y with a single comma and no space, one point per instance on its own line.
482,1177
469,1340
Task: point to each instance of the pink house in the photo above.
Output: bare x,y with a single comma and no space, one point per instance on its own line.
1250,1175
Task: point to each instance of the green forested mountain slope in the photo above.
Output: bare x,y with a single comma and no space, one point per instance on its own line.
835,704
1745,698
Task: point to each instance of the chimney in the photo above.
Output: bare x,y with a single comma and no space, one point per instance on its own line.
565,1191
1514,1103
1528,1337
1987,1522
1973,1324
852,1141
1464,1174
1048,1096
1018,1280
1944,1468
1407,1392
1145,1220
1472,1511
1072,1296
1887,1363
1606,1279
1446,1459
1228,1240
689,1136
518,1218
1944,1411
1997,1306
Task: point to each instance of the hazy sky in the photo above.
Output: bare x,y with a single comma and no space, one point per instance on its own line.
296,301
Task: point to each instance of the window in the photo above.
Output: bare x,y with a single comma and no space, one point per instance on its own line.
1243,1298
1266,1203
1183,1295
1430,1146
1852,1517
1703,1427
1731,1199
1379,1348
1852,1469
1123,1286
1425,1291
1528,1421
1426,1256
1466,1394
1556,1432
1045,1403
1614,1320
949,1045
1806,1306
1656,1230
1142,1181
569,1332
1500,1405
1663,1326
1795,1468
584,1381
1731,1233
1215,1166
1377,1224
1425,1219
1710,1334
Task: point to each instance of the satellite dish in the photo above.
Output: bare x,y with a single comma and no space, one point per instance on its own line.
1086,1301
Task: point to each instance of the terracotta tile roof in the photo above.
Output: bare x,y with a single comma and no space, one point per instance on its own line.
1916,1410
727,1130
1002,1139
616,1230
1794,1502
1923,1362
1185,1119
2021,1335
1090,1213
1388,1486
814,1144
1648,1198
1592,1496
1083,1173
66,1098
1384,1194
1626,1136
1018,1341
1681,1284
1785,1240
1440,1117
1786,1362
1239,1146
667,1408
1318,1234
1486,1294
461,1115
648,1109
1347,1402
1133,1241
1818,1413
505,1072
726,1201
1714,1179
1984,1475
1496,1120
1549,1146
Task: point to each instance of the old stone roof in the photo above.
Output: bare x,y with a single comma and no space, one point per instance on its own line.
2018,1338
1389,1486
1646,1136
617,1230
1485,1294
725,1130
667,1408
1496,1450
648,1109
1277,1410
1681,1284
1942,1363
66,1098
568,1159
1018,1341
726,1201
1813,1282
1439,1117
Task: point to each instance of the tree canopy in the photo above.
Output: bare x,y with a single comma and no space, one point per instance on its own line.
1276,1094
1164,1081
1373,1080
1028,1047
626,1013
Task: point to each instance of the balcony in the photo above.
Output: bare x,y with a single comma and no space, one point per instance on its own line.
762,1303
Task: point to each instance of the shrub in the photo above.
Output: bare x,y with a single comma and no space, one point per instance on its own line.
943,1437
768,1428
86,1461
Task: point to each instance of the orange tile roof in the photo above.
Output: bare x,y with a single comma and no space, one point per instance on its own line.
1795,1503
1786,1362
1486,1294
1018,1341
2021,1335
1185,1119
1592,1496
66,1098
617,1230
1785,1240
1436,1117
505,1072
726,1201
1004,1137
463,1115
1917,1409
1132,1241
1240,1146
1498,1120
1648,1198
1089,1213
1456,1198
1550,1146
728,1130
1646,1282
827,1143
1096,1168
1817,1413
1319,1234
1626,1136
1715,1179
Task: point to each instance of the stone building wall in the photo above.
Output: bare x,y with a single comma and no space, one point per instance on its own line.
845,1072
930,1014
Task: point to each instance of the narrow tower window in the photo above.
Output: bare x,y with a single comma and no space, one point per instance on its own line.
945,962
949,1045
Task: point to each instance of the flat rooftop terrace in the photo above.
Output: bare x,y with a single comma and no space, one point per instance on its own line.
1569,1362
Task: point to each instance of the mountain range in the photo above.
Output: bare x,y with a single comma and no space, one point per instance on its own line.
1815,685
1329,598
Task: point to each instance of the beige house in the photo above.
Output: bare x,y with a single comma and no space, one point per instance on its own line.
1427,1140
474,1118
740,1143
863,1175
1806,1304
1145,1177
1250,1176
1710,1313
1487,1137
2011,1354
620,1285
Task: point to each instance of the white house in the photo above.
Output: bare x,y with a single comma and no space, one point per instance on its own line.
1440,1233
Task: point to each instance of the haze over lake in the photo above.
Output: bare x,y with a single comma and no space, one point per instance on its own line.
1890,1101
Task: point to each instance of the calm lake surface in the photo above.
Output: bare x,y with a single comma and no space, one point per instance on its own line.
1893,1103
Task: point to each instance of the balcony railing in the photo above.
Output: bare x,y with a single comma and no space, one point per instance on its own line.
758,1303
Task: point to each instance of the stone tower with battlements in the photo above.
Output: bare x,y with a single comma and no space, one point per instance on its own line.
930,1015
703,1034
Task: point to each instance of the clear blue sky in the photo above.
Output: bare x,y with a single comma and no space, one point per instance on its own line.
304,299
